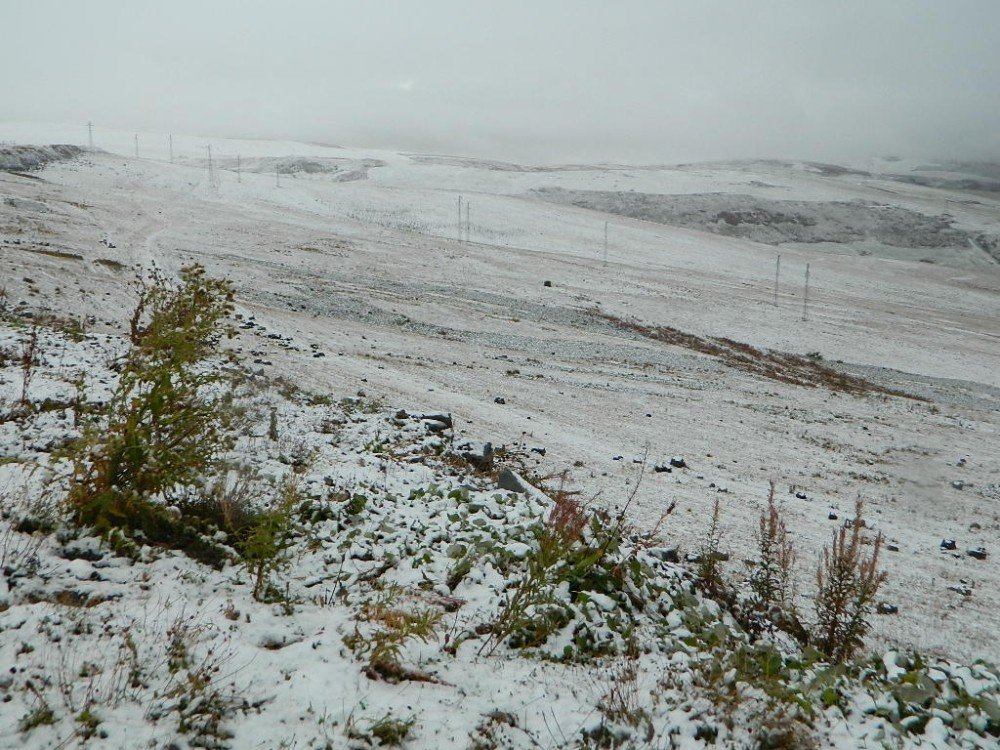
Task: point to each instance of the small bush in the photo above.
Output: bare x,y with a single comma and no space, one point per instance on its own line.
160,429
265,539
771,579
847,581
709,568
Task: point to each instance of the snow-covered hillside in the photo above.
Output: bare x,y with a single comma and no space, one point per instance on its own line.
353,274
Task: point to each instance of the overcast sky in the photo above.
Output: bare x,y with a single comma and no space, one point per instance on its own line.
547,80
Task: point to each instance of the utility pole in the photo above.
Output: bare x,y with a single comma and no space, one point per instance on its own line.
238,177
90,137
211,172
170,139
459,218
277,176
468,226
805,298
605,243
136,145
777,270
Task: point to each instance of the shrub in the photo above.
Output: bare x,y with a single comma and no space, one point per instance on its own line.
771,580
160,429
265,538
847,581
709,569
29,358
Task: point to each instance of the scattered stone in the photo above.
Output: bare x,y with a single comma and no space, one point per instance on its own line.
510,481
696,557
948,544
662,468
962,587
892,547
546,283
500,400
801,495
678,462
539,450
958,484
833,516
480,455
616,458
667,554
977,552
885,608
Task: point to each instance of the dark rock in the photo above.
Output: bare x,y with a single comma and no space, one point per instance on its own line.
695,557
800,495
479,455
678,462
509,480
892,547
667,554
546,283
81,550
500,400
884,608
948,544
977,552
962,587
662,468
444,419
833,516
540,451
616,458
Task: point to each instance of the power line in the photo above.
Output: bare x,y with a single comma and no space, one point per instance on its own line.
777,270
805,297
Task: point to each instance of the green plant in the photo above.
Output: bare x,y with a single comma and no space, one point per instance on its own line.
847,582
160,429
395,626
265,539
771,579
390,731
29,359
41,715
709,568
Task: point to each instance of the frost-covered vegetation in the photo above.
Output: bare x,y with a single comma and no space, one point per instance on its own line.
196,555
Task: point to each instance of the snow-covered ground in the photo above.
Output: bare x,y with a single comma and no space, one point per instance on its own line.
363,265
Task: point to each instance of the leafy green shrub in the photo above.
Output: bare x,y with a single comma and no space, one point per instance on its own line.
263,542
160,429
